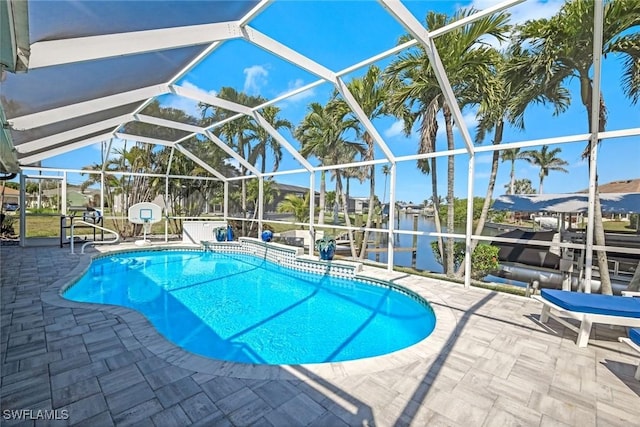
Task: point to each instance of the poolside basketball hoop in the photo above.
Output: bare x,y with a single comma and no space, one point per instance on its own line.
145,213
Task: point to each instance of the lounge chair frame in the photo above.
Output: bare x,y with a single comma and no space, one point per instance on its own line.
586,320
636,347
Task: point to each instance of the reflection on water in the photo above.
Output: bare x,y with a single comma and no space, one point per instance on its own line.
425,260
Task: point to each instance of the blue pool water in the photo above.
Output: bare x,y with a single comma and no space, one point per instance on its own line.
245,309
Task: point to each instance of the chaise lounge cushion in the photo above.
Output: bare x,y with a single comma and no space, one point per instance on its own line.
609,305
634,334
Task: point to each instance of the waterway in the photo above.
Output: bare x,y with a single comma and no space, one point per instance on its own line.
425,259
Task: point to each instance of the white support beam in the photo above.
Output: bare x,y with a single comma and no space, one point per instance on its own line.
260,204
256,37
257,9
209,99
469,224
391,222
415,28
275,134
67,112
362,117
432,154
237,157
144,139
65,51
480,14
200,162
312,212
39,144
598,18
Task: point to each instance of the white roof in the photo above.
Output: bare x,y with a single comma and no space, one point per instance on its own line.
567,203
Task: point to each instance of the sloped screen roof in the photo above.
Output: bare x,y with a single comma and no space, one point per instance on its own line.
567,203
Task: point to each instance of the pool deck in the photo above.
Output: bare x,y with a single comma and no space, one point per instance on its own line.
488,363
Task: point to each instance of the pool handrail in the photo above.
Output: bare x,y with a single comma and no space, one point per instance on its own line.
93,242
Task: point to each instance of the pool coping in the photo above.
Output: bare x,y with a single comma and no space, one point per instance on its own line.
145,332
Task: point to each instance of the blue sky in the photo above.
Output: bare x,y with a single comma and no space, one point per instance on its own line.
338,34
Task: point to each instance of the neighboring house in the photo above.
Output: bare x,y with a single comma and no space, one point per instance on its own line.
10,196
284,190
622,186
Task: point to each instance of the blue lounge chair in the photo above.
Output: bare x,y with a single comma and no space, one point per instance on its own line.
634,342
589,309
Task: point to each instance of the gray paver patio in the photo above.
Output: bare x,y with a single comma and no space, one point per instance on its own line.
494,365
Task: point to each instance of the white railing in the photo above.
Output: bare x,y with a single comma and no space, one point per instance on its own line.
92,242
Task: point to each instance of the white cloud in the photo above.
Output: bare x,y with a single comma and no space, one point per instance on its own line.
528,10
189,106
484,159
397,128
255,79
293,85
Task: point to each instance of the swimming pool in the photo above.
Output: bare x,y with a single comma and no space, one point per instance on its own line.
245,309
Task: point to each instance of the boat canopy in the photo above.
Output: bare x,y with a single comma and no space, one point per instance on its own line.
612,203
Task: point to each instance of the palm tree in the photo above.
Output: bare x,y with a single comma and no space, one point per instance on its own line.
236,132
511,155
269,193
296,205
503,97
522,186
264,139
547,161
561,49
371,95
322,135
315,143
413,83
386,170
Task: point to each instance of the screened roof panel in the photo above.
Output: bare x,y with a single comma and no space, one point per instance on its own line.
51,87
49,20
20,137
69,143
149,130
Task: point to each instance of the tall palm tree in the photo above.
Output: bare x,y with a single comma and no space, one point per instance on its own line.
561,49
264,140
316,143
413,84
511,155
503,98
236,132
547,161
371,95
322,134
386,170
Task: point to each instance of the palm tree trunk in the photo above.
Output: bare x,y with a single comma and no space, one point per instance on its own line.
436,206
599,237
598,230
495,160
512,182
372,195
540,186
449,260
347,220
323,191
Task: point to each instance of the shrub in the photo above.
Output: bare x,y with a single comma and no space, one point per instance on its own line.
484,259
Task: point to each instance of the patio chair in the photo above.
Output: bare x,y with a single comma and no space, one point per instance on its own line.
634,342
589,309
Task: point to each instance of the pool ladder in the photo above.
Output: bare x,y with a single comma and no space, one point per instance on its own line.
93,242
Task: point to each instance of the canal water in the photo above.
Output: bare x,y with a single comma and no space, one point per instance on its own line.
425,259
